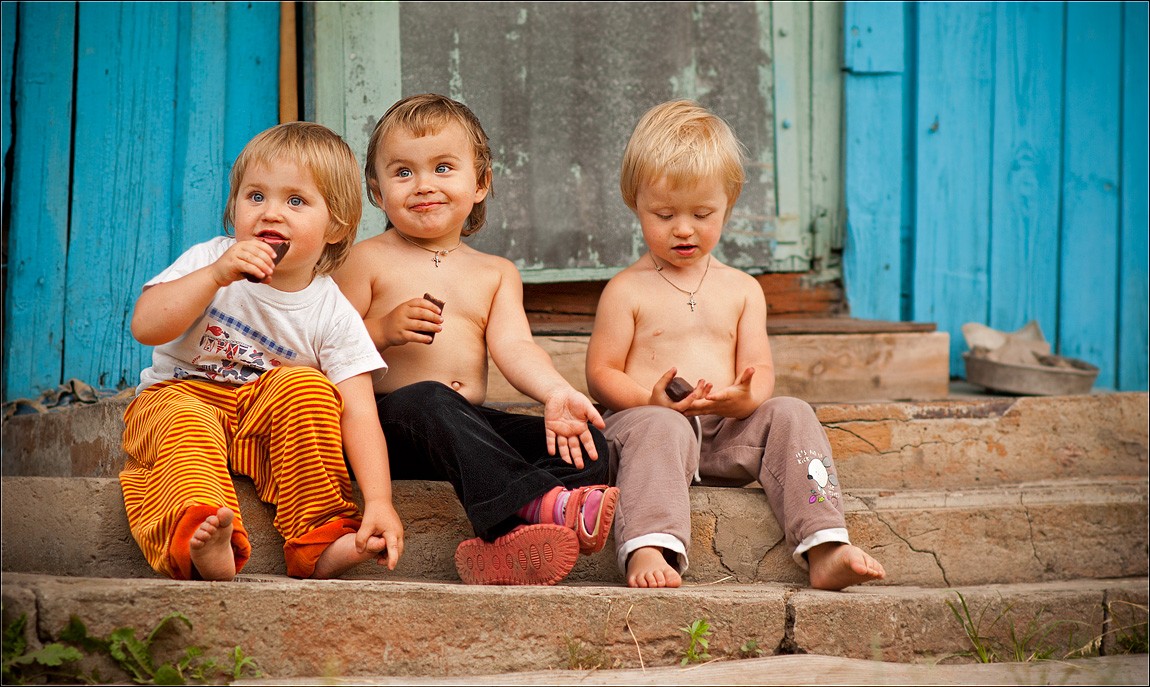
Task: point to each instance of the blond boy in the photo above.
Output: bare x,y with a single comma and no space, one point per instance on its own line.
532,487
679,311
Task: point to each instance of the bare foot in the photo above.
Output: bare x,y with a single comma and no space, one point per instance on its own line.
340,557
836,566
211,547
648,568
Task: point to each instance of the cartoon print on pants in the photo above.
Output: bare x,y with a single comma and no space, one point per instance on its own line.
824,482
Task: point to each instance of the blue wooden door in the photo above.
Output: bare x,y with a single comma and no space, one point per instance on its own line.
124,120
1020,131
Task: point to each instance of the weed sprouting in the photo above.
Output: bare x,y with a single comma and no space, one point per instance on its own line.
58,661
1034,642
699,636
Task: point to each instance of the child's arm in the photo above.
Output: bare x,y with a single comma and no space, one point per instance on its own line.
366,450
410,322
165,311
531,371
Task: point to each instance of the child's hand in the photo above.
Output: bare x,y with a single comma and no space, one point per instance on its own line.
415,321
659,395
566,414
735,401
249,257
381,533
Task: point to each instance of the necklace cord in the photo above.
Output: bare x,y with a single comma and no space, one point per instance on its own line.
436,252
659,271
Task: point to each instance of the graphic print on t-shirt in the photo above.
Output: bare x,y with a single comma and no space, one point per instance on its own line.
234,351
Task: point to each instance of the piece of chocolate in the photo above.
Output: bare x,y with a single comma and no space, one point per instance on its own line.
678,389
437,302
281,250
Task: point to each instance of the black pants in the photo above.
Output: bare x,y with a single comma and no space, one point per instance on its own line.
496,461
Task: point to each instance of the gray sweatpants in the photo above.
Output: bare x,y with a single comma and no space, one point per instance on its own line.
656,453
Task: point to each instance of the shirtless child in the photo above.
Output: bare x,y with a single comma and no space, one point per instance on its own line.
523,480
678,310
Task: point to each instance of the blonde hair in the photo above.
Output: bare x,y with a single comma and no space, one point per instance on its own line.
428,114
682,142
333,167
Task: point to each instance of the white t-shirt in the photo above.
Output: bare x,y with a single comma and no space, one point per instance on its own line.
249,329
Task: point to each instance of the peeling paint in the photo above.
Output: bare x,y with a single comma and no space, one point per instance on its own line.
455,85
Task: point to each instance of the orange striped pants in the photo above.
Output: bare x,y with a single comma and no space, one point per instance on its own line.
185,438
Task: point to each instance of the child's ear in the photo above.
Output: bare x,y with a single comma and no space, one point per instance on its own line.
484,187
373,189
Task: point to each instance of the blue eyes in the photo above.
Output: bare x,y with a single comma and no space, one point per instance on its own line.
439,169
294,201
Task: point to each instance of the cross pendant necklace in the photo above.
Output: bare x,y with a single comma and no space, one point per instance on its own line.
690,294
435,252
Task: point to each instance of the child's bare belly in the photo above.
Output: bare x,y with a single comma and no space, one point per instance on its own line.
439,362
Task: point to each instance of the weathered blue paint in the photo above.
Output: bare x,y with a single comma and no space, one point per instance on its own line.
873,43
253,74
873,86
1134,253
166,94
1088,294
1026,181
8,55
198,189
872,266
953,146
1025,166
125,128
34,317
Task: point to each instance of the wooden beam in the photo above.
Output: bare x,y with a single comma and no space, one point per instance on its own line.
289,83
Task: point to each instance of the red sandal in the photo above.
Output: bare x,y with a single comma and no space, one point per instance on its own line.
589,541
528,554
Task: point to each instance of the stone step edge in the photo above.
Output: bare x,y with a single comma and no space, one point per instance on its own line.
445,629
943,444
1084,529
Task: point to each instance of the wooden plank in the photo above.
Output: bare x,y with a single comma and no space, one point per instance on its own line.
1133,350
1088,296
252,82
121,211
873,144
825,108
1025,166
952,141
38,231
787,293
873,38
199,174
289,66
8,28
784,61
873,147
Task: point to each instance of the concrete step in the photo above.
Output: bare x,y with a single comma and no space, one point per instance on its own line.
959,442
315,631
833,365
1038,531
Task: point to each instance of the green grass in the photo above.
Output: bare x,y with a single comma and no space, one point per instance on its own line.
62,659
1035,640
